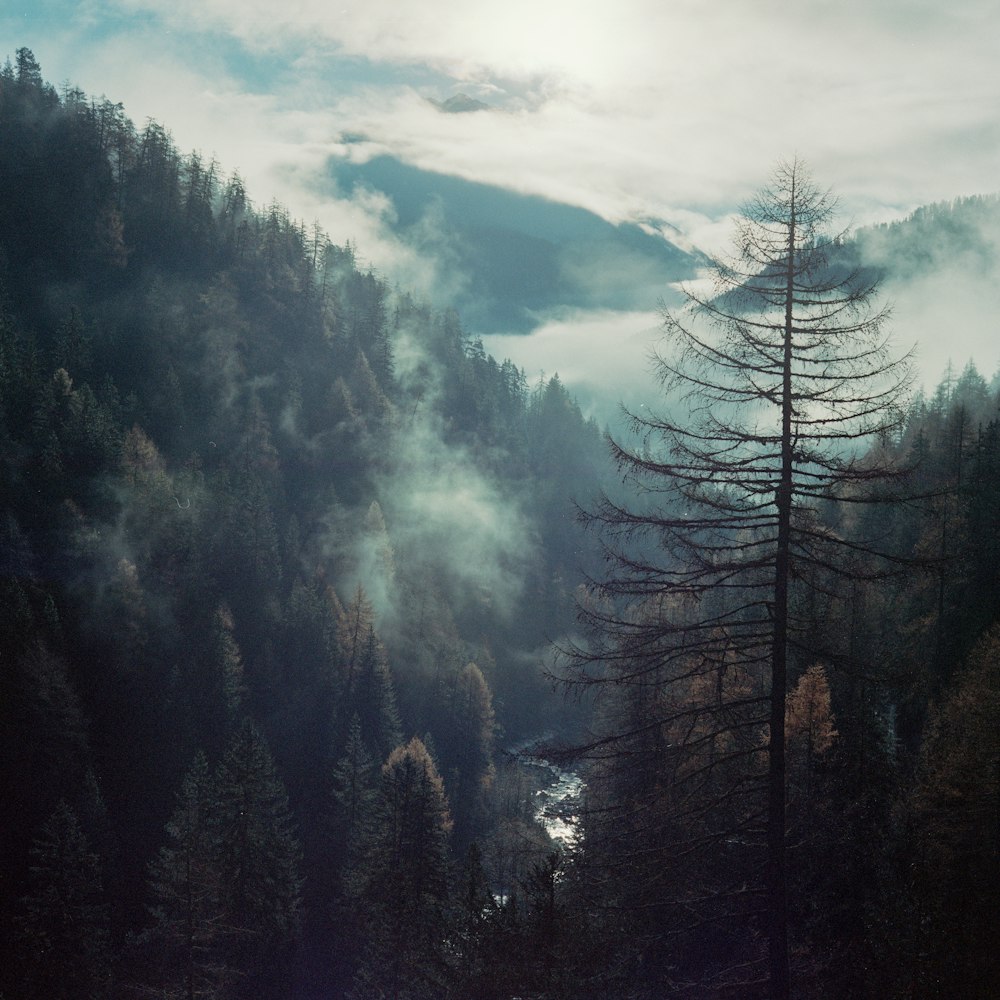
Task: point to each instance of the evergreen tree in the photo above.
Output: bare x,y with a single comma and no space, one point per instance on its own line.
955,938
42,726
406,889
370,693
191,929
355,818
63,932
355,793
257,855
465,742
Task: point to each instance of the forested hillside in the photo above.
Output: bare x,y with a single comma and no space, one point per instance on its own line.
959,234
283,553
267,524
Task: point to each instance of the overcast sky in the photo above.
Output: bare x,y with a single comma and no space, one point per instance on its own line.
673,109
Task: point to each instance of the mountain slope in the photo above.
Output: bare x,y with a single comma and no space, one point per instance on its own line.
520,255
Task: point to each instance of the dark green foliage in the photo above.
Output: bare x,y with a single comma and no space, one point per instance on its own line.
464,743
212,686
191,929
404,886
258,856
44,736
954,854
304,692
226,888
200,403
63,930
368,690
43,730
355,796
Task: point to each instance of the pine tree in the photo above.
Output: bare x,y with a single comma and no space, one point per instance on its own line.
355,792
955,940
355,818
370,692
191,924
465,741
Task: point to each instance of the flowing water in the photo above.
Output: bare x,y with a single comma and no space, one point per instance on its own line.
558,801
558,805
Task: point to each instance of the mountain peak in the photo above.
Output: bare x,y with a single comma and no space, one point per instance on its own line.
460,104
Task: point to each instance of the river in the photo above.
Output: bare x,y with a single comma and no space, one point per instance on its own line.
558,806
558,800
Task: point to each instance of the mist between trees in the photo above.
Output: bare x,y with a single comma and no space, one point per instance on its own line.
284,555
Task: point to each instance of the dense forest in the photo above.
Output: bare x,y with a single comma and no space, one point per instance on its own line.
288,567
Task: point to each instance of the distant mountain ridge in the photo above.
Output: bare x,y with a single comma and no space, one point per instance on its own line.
515,258
460,104
929,245
963,232
521,255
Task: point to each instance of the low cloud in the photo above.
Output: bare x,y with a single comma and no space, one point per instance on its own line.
951,316
642,109
602,357
943,282
445,515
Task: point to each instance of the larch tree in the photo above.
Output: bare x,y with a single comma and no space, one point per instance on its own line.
809,727
405,890
780,376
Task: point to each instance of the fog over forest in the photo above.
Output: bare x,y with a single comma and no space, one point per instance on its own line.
318,585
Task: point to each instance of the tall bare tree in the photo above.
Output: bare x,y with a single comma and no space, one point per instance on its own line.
782,382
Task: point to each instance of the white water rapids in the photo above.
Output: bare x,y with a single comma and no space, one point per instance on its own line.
557,802
558,805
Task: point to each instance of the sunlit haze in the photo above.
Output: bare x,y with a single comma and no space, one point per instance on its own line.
633,110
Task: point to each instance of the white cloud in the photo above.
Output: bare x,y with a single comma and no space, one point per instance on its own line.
950,315
631,108
603,356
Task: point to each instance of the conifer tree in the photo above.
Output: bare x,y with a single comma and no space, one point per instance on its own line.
355,818
465,740
191,925
781,377
370,692
955,941
406,890
355,791
258,854
63,931
488,960
809,727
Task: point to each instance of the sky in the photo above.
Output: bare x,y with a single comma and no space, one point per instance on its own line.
672,110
